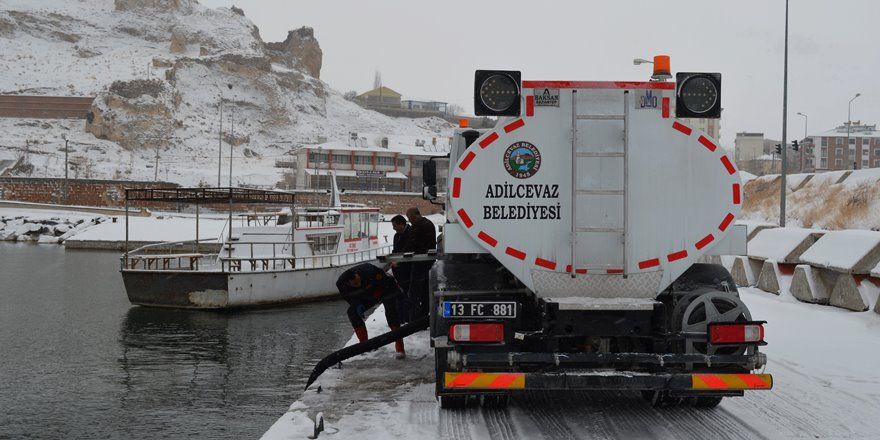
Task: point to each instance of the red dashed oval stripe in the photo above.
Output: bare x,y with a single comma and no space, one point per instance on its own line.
727,164
547,264
665,108
677,255
736,194
682,128
514,125
456,187
653,262
707,143
466,162
515,253
614,271
705,241
530,108
465,218
728,219
488,239
488,140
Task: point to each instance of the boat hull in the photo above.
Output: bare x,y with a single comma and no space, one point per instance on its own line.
217,290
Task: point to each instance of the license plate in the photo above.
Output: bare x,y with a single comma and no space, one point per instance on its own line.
452,309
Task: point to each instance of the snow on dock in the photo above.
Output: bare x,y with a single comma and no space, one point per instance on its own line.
826,386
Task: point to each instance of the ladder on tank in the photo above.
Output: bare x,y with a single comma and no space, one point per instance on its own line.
598,197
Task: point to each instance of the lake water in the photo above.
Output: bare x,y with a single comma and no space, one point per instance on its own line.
78,361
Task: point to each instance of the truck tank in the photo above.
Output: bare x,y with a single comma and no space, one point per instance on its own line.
595,191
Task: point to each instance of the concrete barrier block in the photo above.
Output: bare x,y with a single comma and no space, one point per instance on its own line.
807,285
848,295
849,251
767,279
743,272
783,245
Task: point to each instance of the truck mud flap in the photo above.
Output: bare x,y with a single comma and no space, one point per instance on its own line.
363,347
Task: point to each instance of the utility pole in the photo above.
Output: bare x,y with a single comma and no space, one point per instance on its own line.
784,124
220,138
231,142
156,167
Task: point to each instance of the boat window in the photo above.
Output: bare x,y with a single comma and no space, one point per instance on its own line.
374,224
350,228
323,244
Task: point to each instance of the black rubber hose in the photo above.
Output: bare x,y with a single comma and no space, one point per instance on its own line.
363,347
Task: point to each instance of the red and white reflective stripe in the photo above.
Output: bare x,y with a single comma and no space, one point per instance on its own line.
736,333
598,85
530,105
488,332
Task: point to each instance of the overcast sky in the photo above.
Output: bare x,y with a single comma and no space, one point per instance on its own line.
429,50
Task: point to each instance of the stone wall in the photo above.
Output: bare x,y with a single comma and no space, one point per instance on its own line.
84,192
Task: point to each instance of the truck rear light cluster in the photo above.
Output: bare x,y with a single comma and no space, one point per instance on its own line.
736,333
487,332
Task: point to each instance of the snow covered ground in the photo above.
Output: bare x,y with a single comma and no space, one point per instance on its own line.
826,385
44,227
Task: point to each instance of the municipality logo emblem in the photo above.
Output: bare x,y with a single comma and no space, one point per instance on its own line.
522,160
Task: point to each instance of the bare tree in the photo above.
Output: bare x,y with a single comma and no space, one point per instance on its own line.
350,95
454,110
377,80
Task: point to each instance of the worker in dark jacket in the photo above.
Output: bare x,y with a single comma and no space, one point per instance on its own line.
422,238
401,271
364,286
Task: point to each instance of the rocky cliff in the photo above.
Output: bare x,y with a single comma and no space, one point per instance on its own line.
162,72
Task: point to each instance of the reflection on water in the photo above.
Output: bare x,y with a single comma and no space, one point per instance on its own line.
80,362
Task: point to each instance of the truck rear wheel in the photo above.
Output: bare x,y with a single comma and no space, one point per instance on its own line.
660,399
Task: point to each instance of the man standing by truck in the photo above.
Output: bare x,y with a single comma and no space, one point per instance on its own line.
422,238
364,286
401,271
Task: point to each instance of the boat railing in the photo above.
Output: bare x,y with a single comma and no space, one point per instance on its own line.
257,263
168,255
143,258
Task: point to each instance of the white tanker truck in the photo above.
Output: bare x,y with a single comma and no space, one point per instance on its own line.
570,254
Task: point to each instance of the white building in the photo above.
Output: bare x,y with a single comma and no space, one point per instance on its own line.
372,162
748,146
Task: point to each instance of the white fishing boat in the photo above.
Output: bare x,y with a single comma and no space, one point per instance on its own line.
283,255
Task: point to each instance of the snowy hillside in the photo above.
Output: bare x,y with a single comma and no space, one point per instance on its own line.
158,69
832,200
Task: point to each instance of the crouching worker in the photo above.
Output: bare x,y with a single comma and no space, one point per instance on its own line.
364,286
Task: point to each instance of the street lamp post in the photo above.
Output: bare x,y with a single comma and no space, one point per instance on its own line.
849,128
805,138
784,124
